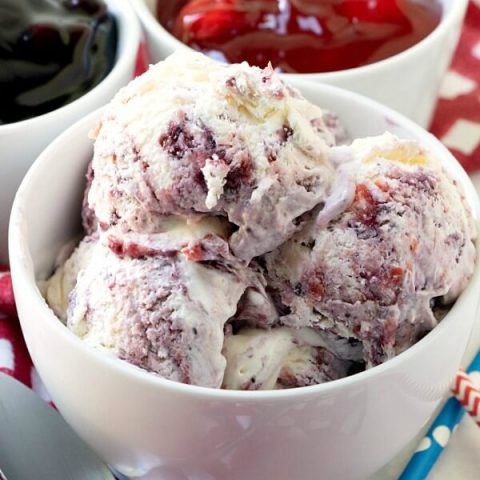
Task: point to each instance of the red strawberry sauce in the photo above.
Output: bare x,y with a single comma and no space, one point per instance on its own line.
302,36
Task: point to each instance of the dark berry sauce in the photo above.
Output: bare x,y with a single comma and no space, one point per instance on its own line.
300,36
51,53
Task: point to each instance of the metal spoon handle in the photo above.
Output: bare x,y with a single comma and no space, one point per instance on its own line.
25,420
2,475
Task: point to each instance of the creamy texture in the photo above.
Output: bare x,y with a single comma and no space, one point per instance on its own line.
64,279
159,301
278,358
235,240
192,136
374,271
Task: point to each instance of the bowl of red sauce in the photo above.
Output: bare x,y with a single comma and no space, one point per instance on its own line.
395,51
59,60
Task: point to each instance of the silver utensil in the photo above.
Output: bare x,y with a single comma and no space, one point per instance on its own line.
36,443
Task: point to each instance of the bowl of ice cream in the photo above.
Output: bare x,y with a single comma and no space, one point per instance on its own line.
247,281
404,75
94,47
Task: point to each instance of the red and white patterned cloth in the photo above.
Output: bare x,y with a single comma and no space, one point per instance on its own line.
14,358
457,118
456,123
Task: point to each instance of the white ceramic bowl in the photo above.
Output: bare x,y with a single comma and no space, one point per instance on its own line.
152,428
407,82
22,142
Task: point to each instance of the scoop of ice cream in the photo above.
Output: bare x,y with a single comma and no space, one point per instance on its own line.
192,136
278,358
160,301
373,271
233,242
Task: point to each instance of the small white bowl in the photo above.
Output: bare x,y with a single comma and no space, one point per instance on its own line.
21,142
152,428
407,82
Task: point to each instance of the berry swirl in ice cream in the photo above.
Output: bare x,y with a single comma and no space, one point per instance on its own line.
160,301
193,137
231,242
374,272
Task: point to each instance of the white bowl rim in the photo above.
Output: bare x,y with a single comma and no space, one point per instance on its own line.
448,17
22,272
131,33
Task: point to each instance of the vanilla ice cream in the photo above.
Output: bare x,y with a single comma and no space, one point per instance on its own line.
279,358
